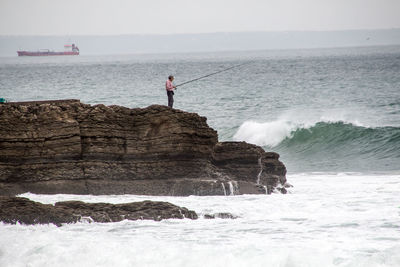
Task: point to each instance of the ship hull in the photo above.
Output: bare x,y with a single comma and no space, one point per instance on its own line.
46,53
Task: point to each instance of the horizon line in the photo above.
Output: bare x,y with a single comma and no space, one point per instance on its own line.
199,33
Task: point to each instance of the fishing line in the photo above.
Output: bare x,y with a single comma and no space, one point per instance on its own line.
211,74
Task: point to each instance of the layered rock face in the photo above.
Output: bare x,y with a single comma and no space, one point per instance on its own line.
70,147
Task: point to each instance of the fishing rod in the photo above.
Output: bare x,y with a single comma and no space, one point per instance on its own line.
208,75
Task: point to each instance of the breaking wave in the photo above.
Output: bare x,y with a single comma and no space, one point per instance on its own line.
334,143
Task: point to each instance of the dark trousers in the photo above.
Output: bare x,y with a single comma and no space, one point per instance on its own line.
170,98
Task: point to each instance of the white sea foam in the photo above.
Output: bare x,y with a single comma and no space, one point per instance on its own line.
223,188
346,219
264,134
232,187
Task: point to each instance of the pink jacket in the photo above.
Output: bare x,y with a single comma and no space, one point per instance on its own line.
169,86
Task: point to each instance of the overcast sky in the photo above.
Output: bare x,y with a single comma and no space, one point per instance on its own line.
113,17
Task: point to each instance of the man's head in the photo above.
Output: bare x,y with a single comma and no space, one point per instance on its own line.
171,78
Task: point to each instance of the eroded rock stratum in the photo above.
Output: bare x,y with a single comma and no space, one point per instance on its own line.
66,146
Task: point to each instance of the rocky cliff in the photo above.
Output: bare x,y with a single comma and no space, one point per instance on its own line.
66,146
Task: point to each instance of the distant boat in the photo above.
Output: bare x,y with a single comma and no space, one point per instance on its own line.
69,50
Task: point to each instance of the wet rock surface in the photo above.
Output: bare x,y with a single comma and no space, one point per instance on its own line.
66,146
22,210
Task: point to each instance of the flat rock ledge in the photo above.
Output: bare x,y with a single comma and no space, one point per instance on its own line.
65,146
22,210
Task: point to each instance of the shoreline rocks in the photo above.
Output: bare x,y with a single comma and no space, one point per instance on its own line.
22,210
65,146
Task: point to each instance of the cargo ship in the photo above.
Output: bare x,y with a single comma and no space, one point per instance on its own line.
69,50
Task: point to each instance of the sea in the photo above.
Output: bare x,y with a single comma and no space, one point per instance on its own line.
333,115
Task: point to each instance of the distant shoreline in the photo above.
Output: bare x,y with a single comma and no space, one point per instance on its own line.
203,42
200,33
227,52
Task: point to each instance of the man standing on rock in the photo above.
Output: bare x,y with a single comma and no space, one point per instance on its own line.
170,90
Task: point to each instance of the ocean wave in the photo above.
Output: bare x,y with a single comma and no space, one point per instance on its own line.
341,138
264,134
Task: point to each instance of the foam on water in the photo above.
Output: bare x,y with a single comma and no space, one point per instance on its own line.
223,188
264,134
346,219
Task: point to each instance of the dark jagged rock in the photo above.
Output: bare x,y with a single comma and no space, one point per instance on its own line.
22,210
71,147
247,163
25,211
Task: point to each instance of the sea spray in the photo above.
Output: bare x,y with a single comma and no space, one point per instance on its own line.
266,189
261,170
233,187
264,134
223,188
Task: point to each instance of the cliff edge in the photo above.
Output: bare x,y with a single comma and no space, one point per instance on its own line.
65,146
